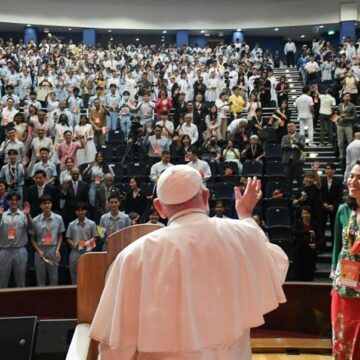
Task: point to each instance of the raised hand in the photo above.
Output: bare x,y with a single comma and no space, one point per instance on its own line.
315,166
26,208
246,203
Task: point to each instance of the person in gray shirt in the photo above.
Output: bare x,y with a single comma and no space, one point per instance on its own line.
156,144
45,164
13,173
14,226
12,143
352,154
81,235
114,220
46,238
344,125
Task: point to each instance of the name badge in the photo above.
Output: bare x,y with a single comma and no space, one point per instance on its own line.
350,274
355,249
11,234
47,239
97,120
156,149
97,179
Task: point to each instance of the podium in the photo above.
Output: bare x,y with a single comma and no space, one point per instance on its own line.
91,275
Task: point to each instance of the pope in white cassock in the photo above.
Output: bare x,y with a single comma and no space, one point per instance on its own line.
194,289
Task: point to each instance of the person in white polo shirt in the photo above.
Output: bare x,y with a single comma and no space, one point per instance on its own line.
289,51
305,107
200,165
327,105
160,166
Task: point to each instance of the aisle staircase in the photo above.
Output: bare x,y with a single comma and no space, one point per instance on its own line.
323,154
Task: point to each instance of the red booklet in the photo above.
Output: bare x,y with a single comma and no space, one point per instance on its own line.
350,274
355,249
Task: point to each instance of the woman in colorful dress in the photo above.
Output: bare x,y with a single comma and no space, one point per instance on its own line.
345,269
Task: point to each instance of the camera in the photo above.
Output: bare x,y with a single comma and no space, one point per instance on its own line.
136,129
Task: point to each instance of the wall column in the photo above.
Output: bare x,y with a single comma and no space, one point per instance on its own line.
348,17
89,37
182,38
31,33
237,35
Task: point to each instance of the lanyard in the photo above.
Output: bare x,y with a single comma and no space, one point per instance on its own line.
12,222
82,231
13,171
68,149
47,224
114,223
253,150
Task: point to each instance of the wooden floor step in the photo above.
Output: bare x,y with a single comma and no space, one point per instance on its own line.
291,345
291,357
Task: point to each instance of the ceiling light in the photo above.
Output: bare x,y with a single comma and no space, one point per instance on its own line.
137,39
164,32
163,40
69,29
276,29
238,29
28,25
109,30
202,31
321,26
302,36
331,32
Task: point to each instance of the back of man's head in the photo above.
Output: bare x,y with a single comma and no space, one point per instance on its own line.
193,194
306,89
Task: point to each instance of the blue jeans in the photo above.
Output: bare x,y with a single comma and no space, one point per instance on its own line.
75,120
125,125
113,120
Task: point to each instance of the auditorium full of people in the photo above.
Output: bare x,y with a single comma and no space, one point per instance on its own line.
85,133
